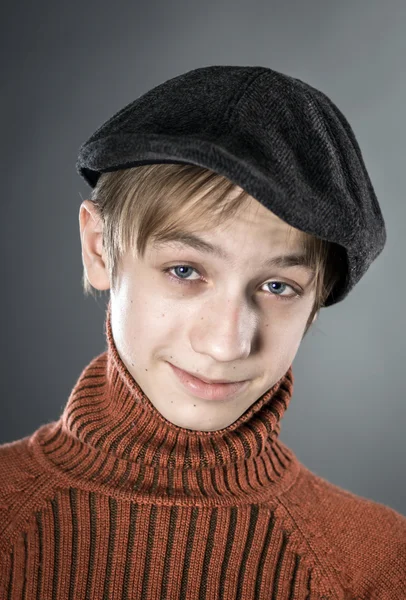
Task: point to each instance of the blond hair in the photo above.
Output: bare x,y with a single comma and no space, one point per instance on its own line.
154,201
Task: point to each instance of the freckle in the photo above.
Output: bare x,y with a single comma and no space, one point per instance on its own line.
194,404
163,314
146,369
171,401
132,364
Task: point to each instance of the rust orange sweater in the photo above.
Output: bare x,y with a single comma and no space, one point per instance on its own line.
112,501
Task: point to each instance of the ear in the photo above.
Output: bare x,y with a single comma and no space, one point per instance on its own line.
91,236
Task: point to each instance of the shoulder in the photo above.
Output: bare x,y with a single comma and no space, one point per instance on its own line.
365,539
21,480
338,502
17,469
15,464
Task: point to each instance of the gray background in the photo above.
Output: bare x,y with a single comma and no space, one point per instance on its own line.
67,68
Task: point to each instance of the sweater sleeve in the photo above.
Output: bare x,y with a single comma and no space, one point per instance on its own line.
359,542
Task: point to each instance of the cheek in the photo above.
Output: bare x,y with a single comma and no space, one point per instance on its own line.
282,333
147,319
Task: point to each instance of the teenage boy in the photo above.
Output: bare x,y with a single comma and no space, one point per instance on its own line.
228,206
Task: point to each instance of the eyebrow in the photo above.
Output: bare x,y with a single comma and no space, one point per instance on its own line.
197,243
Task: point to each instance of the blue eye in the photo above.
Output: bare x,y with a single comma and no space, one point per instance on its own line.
183,280
278,283
183,267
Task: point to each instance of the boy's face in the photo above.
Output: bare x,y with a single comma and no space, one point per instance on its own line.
225,321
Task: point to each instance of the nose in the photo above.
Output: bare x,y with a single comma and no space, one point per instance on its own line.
226,331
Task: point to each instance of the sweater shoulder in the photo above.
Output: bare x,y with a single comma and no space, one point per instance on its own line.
22,481
16,465
365,540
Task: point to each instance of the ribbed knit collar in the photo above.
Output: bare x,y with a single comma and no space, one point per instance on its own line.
111,438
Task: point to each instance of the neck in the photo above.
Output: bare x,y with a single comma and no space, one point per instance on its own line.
111,437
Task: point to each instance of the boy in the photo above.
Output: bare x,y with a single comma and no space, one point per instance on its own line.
229,205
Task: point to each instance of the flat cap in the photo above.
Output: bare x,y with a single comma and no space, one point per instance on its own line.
280,139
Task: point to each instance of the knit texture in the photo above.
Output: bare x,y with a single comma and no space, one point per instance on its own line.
112,501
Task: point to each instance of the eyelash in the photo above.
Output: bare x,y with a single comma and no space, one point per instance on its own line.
175,279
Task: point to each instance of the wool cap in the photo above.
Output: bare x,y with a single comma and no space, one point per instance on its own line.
280,139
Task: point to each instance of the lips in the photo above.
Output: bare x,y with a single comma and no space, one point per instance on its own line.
208,391
210,381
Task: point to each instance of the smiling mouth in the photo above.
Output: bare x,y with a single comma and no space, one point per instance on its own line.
209,391
210,381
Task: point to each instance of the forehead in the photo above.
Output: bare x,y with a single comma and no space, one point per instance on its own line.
264,236
253,224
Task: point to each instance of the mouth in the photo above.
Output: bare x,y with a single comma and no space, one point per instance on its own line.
209,390
211,381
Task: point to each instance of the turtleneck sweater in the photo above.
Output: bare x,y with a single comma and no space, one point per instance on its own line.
113,501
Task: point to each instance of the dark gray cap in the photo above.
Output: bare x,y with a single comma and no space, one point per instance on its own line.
280,139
